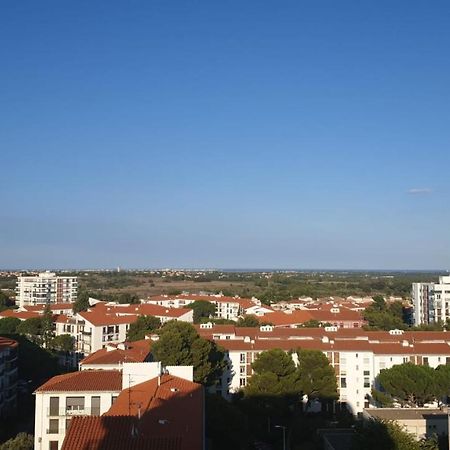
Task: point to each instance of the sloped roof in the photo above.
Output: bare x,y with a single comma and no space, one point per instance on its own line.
164,414
114,433
137,351
84,381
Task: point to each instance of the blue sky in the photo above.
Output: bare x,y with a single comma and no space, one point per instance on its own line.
289,134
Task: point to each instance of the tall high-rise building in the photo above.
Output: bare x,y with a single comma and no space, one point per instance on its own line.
44,288
431,301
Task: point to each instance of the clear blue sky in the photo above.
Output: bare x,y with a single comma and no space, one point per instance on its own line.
244,134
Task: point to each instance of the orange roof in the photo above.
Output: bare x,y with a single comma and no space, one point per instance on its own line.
105,314
85,380
137,351
22,315
279,318
114,433
168,411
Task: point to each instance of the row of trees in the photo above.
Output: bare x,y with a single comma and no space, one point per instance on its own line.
38,330
412,385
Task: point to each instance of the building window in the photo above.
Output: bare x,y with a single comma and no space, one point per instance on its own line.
53,426
74,404
242,357
242,370
425,361
53,445
54,406
343,382
113,399
366,373
241,381
95,406
366,382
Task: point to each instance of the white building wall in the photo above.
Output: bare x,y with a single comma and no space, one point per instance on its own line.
42,436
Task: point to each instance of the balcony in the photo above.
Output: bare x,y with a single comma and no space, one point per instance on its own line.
73,411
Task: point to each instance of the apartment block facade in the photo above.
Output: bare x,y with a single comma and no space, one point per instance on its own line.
8,377
45,288
431,301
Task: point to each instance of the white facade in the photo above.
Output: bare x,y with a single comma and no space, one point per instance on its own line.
45,288
54,410
431,301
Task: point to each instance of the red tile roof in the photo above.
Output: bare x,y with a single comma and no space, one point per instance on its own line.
22,315
137,351
164,414
280,319
85,380
114,433
103,314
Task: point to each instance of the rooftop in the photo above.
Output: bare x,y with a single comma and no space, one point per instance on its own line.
84,381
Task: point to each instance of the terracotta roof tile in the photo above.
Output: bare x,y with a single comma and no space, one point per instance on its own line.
85,380
137,351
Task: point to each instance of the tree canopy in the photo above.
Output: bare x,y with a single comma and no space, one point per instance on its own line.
248,321
143,326
386,435
202,309
317,376
180,344
22,441
9,325
383,316
410,384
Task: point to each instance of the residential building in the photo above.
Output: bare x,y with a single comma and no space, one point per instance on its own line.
108,323
113,356
356,355
431,301
138,389
62,397
165,412
8,377
422,423
45,288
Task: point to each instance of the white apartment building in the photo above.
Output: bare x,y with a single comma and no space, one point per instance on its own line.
88,393
45,288
108,323
357,356
431,301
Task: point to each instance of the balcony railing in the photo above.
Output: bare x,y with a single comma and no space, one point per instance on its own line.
73,411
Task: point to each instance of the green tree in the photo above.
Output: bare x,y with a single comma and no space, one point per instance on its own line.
202,309
22,441
143,325
9,325
442,381
317,377
47,327
409,384
180,344
274,374
62,343
313,323
31,327
5,301
383,435
248,321
82,301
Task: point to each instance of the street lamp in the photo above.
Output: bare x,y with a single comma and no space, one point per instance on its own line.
284,435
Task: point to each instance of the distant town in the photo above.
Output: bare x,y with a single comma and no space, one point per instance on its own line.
87,355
